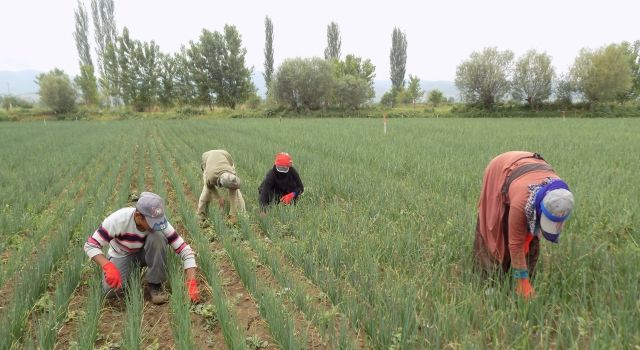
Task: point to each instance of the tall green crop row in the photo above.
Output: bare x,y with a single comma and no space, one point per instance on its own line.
271,308
88,332
35,277
89,327
339,338
46,223
181,322
34,176
134,303
49,324
396,212
234,337
386,328
386,223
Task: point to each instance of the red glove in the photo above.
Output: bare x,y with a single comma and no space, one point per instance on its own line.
112,275
527,243
287,198
192,288
524,288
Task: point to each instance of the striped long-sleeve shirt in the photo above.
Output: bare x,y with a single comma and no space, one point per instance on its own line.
120,233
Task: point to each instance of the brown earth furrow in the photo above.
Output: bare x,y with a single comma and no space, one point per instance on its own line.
319,298
206,335
245,307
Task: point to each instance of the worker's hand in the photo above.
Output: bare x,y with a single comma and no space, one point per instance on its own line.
221,203
192,288
287,198
112,275
524,288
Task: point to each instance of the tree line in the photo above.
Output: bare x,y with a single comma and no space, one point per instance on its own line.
212,71
608,74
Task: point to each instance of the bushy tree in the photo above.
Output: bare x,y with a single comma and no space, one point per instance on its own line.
334,42
532,78
139,71
388,98
185,87
167,81
435,97
10,101
219,71
352,92
398,58
414,91
56,91
402,96
602,75
357,74
237,86
303,83
633,53
484,78
564,91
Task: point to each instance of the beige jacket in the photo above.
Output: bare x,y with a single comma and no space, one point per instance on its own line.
214,163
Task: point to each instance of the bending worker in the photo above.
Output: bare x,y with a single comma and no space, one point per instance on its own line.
281,183
218,171
522,200
139,236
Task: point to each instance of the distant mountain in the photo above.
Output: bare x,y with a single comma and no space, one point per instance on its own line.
258,81
22,84
19,83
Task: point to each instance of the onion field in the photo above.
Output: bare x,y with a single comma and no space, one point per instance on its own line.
376,255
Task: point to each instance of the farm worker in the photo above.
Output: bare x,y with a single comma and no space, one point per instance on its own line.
281,183
138,235
218,170
522,200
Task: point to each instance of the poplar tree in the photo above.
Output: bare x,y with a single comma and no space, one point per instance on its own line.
332,51
105,33
87,79
268,52
398,58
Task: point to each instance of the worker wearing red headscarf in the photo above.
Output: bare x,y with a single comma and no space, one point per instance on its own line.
281,183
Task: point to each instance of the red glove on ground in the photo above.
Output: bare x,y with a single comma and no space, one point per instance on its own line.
112,275
192,288
287,198
524,288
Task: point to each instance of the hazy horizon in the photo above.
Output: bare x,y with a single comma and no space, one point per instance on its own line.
440,36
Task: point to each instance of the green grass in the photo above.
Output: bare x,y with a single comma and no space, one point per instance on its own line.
386,223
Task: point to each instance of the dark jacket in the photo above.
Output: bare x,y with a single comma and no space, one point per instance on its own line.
277,184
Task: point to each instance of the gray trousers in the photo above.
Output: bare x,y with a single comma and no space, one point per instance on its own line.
153,255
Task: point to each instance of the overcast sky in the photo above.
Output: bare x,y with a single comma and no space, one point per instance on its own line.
37,34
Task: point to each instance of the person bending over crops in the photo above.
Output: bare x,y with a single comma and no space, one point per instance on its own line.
138,236
522,200
218,170
281,183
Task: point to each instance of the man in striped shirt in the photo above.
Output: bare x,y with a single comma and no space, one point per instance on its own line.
139,236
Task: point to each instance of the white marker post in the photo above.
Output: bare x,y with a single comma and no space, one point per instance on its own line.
384,117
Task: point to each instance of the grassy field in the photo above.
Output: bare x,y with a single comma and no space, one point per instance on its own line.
376,254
